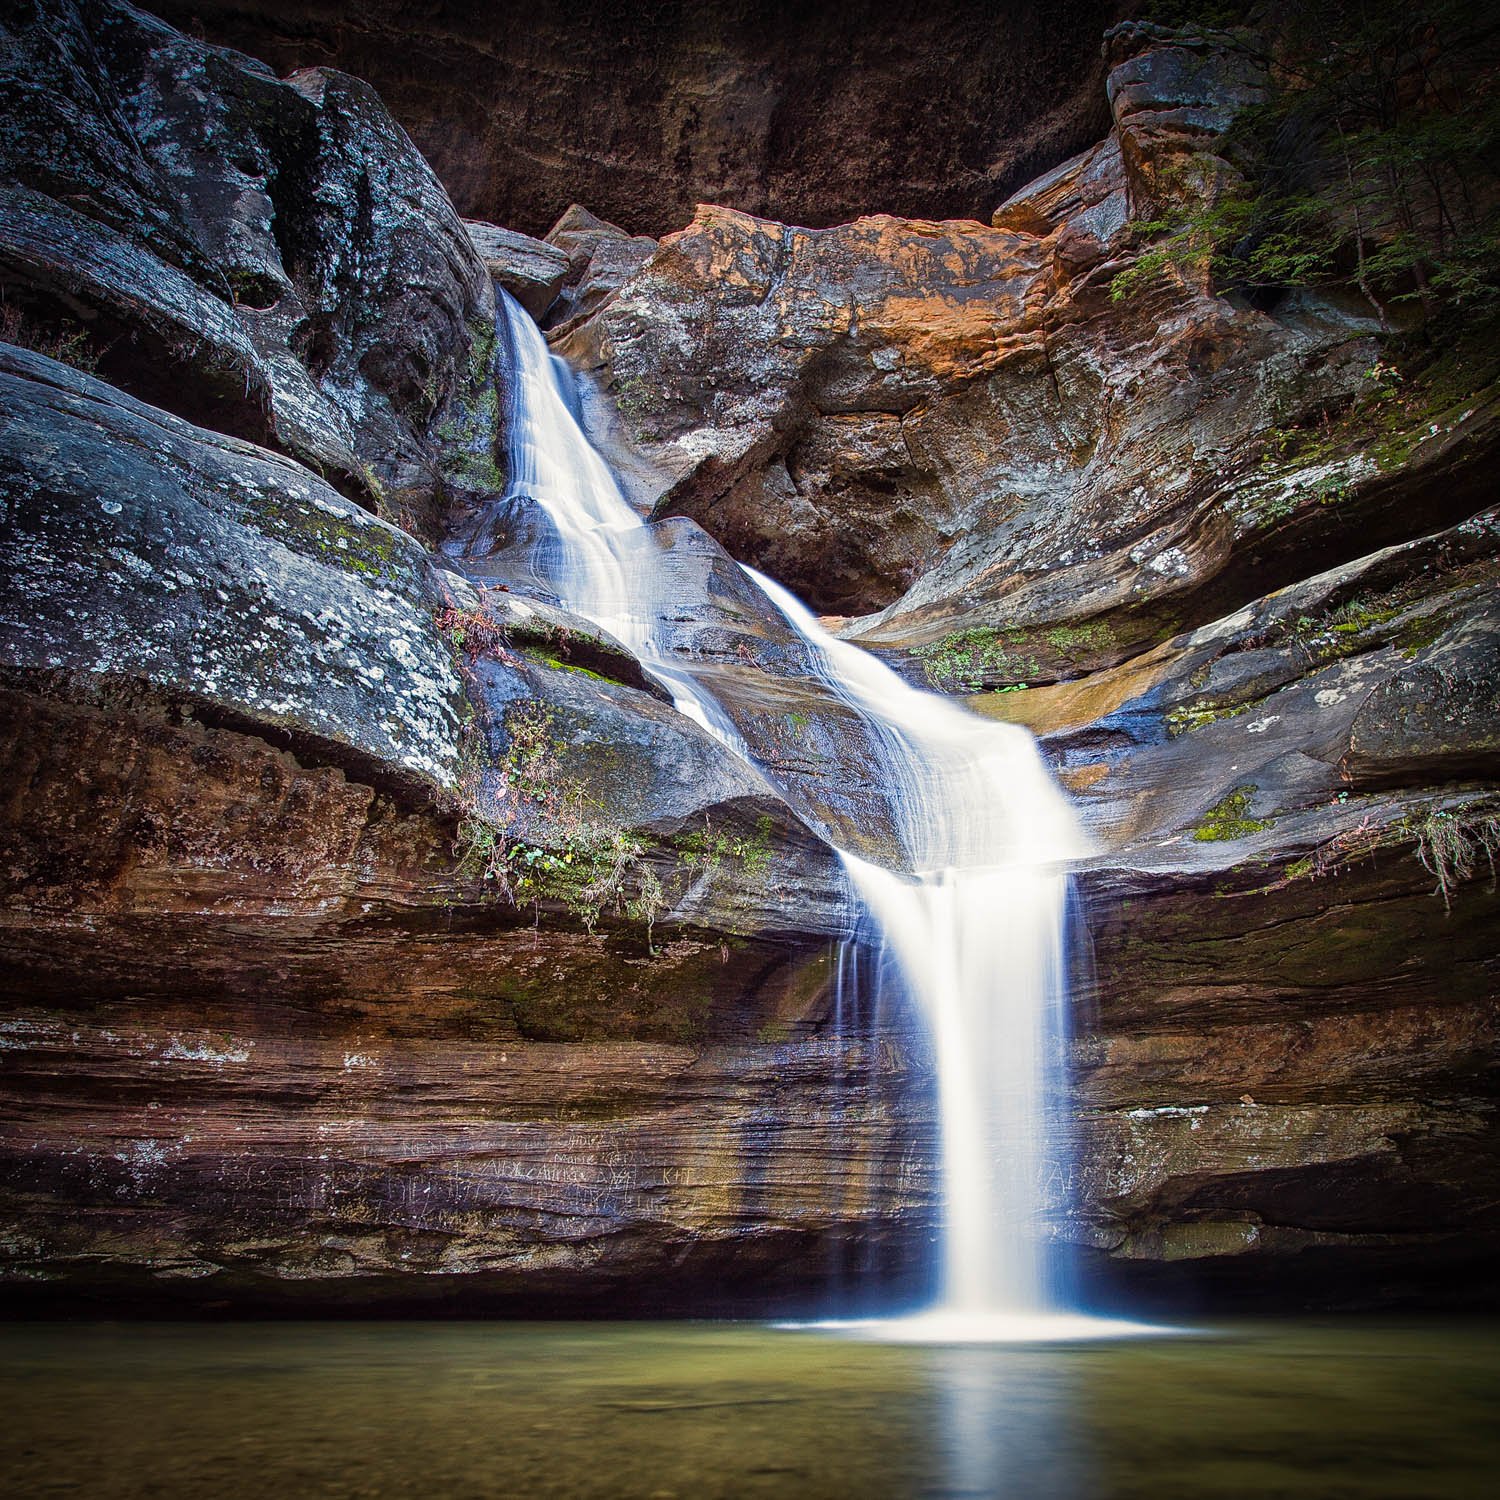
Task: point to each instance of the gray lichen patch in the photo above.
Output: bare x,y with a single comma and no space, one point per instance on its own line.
143,548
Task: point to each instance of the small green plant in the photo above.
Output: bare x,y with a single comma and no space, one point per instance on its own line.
708,850
964,660
474,632
538,836
1451,843
68,342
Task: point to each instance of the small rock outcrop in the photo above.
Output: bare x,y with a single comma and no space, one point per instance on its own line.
532,271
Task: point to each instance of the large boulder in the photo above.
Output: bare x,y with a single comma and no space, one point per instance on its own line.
601,258
270,258
150,560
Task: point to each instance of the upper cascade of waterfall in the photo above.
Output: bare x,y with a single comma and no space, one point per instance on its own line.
974,917
960,791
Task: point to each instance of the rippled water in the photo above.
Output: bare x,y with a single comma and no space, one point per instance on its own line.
709,1410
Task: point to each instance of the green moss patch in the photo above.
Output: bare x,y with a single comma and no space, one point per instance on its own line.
1228,819
1190,716
345,542
964,660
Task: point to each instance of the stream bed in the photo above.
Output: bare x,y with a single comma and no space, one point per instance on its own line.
701,1410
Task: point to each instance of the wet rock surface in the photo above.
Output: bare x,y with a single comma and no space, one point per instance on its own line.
1290,1057
274,1034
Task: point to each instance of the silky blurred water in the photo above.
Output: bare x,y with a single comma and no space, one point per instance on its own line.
688,1410
974,921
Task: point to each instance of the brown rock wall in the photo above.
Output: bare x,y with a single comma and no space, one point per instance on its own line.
811,114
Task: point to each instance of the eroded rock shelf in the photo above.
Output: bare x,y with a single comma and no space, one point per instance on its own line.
281,1030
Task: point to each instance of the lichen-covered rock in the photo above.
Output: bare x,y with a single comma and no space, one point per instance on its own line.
273,259
1174,93
1248,588
1270,732
147,555
386,936
1286,1078
1439,719
243,724
141,549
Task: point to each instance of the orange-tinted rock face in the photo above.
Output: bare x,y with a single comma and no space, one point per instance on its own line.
811,353
812,114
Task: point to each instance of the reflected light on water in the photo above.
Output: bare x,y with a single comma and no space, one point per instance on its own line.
945,1325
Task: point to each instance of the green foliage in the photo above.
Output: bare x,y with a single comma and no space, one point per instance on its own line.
1453,843
529,828
1245,238
1374,160
966,660
551,844
1077,642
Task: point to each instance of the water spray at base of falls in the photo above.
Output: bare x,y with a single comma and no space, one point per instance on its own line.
975,919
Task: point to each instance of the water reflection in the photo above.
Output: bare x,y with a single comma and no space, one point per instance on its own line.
1000,1433
477,1411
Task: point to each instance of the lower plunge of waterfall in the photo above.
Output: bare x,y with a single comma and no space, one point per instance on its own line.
956,840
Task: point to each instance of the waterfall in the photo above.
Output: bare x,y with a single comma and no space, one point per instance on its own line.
974,917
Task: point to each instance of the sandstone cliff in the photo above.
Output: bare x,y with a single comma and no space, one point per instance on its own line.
1236,571
273,1035
811,113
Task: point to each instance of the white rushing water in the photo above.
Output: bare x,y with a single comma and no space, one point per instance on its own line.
976,920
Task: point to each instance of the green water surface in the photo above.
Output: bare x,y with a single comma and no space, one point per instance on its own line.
701,1410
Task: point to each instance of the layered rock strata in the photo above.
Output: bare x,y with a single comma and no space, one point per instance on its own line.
1235,570
275,1037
